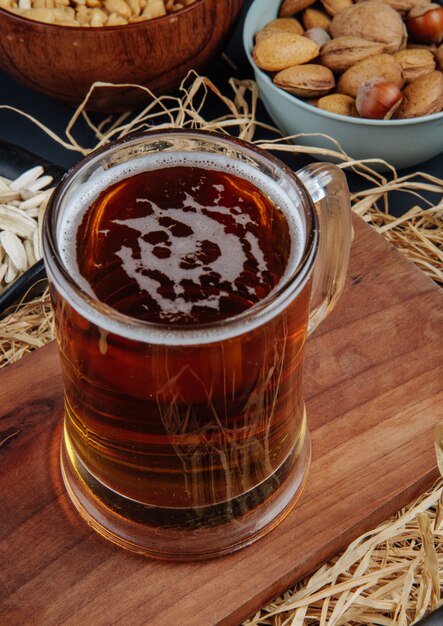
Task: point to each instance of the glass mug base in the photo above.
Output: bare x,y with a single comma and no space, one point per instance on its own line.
148,530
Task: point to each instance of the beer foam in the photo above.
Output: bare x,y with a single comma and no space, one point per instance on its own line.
228,265
230,247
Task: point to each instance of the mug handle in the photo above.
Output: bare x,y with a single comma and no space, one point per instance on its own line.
328,188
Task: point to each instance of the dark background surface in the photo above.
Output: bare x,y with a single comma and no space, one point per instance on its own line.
56,115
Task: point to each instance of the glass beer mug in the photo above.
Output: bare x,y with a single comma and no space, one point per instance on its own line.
186,271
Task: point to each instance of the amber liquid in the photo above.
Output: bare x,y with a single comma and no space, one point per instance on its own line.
183,436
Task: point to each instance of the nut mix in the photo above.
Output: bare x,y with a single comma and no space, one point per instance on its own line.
93,12
377,59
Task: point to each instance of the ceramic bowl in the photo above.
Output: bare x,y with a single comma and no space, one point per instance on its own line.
402,143
63,61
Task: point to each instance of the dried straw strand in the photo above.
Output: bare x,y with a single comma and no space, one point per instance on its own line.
393,576
418,233
29,327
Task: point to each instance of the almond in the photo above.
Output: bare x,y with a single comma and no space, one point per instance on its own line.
341,53
289,7
415,63
371,20
402,6
413,45
307,81
315,18
282,50
280,25
333,7
423,96
338,103
425,23
378,66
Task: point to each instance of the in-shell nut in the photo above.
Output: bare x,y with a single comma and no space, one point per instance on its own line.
423,96
354,57
378,66
402,6
318,35
415,62
333,7
342,52
371,20
289,7
280,25
281,50
338,103
377,99
308,81
315,18
425,23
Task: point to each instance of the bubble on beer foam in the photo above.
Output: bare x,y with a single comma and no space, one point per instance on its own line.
182,261
87,192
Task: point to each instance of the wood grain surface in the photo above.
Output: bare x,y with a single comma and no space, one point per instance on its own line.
374,393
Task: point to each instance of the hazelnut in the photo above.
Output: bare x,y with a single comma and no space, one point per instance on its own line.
377,99
425,23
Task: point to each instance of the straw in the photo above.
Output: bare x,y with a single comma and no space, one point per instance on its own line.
391,575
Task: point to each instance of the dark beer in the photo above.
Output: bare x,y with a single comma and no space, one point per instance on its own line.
197,417
182,245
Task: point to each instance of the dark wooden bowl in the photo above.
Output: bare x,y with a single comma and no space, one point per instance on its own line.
63,61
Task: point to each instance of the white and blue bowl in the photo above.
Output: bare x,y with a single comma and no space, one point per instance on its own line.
402,143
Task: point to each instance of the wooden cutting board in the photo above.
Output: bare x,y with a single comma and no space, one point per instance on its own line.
374,390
